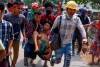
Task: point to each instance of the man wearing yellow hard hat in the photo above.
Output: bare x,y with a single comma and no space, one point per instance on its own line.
69,21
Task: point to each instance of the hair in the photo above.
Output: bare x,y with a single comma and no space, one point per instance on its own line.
37,13
48,4
48,23
2,6
9,4
18,3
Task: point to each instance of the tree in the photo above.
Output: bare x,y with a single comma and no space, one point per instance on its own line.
95,4
3,0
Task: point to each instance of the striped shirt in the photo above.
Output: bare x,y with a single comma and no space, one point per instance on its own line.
67,28
6,31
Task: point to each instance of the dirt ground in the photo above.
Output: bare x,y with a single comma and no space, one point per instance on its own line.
87,58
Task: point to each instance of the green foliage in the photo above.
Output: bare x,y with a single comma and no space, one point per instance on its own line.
3,0
96,1
95,4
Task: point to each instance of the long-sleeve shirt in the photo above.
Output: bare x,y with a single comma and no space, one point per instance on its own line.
6,31
67,28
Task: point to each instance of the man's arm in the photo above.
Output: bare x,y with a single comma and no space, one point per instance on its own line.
11,38
56,23
23,29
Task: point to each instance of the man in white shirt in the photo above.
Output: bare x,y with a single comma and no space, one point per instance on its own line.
69,22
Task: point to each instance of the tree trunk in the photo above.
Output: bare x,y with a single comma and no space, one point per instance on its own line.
41,3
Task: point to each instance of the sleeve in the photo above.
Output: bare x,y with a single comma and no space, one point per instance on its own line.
23,25
40,28
56,23
11,32
5,17
82,30
1,46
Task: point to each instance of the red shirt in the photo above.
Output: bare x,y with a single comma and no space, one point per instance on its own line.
45,18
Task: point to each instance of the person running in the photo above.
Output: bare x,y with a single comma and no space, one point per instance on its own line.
18,22
32,33
6,39
77,35
69,22
95,47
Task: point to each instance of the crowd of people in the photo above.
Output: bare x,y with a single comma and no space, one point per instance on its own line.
38,25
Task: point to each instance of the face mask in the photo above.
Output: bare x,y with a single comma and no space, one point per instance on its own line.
48,11
68,17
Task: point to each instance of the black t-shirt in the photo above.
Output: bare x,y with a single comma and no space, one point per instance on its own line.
84,21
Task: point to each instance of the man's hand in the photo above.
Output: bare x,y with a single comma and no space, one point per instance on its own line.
9,52
84,48
25,39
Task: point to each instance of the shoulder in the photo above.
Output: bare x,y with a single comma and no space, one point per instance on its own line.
7,15
6,23
21,16
43,14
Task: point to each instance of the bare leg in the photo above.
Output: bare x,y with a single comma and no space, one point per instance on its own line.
34,36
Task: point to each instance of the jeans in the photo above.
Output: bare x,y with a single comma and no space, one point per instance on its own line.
67,50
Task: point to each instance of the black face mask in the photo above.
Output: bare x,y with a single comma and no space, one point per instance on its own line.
48,11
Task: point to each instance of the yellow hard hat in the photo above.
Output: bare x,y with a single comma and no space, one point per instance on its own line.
72,5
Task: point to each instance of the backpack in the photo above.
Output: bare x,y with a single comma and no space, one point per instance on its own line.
55,37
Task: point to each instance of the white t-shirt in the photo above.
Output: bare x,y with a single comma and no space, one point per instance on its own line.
1,46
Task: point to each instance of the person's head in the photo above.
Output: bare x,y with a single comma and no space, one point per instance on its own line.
46,26
82,12
35,6
41,9
59,4
2,7
48,7
37,16
10,6
17,8
89,13
71,8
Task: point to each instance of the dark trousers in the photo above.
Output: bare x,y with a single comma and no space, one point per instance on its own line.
77,35
29,51
4,63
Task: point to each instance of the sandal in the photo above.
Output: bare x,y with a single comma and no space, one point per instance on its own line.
97,63
32,63
92,63
25,61
45,65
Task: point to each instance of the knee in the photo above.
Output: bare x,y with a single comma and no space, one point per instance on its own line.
68,57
